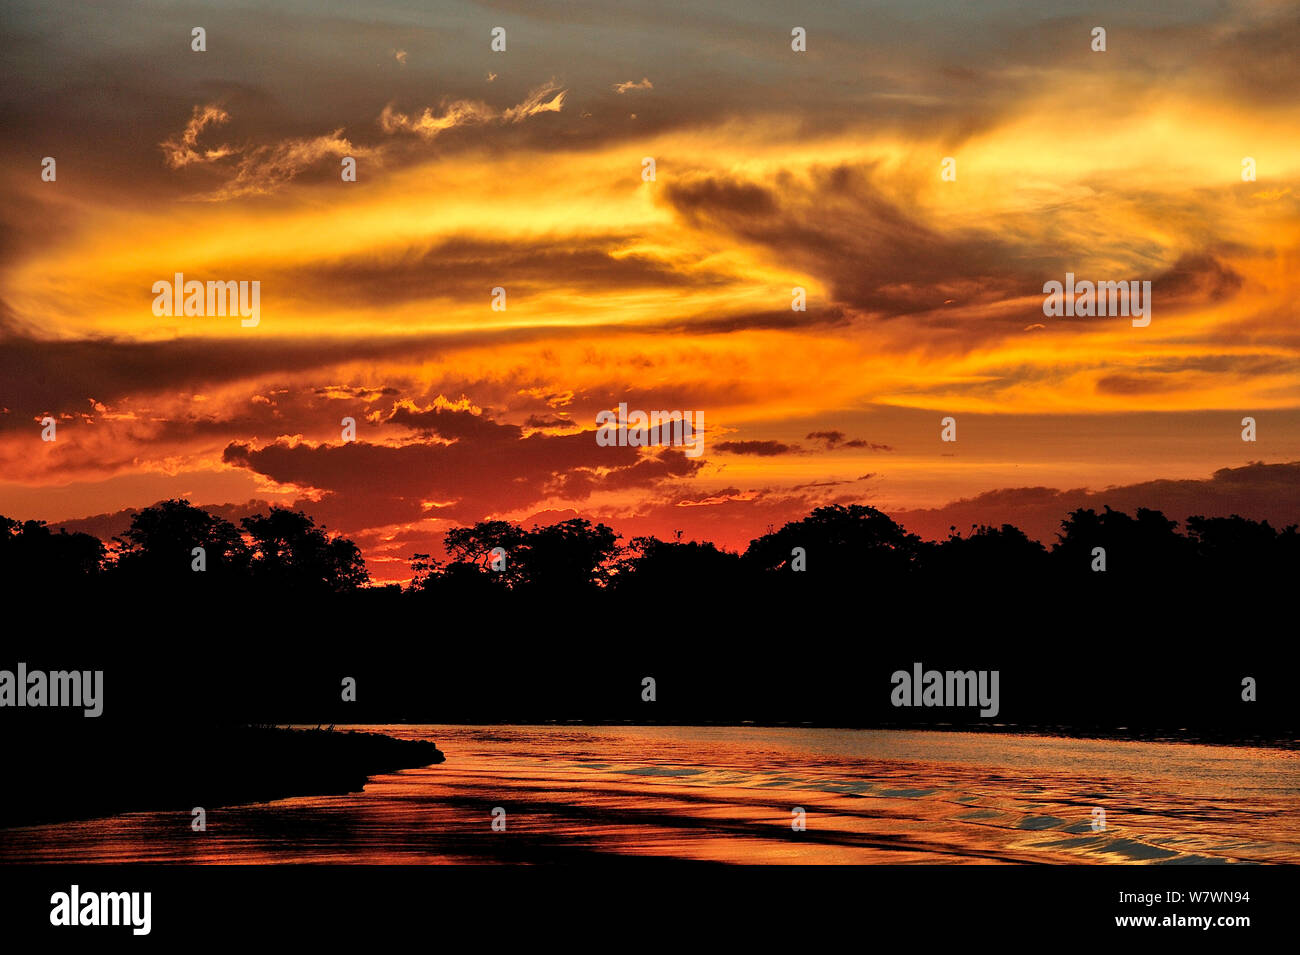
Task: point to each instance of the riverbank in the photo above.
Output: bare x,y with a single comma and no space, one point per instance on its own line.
59,777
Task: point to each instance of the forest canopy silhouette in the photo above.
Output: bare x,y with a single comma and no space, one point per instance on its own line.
181,546
564,621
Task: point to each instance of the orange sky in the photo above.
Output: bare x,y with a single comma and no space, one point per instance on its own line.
523,170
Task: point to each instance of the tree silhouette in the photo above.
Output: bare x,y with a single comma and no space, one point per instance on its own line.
464,581
656,565
1237,546
988,552
558,558
161,541
853,541
290,551
31,551
571,555
1143,546
847,548
470,549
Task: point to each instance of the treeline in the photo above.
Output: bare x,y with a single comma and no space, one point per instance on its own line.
844,548
176,545
567,621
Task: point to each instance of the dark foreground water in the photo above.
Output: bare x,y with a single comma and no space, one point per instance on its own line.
730,794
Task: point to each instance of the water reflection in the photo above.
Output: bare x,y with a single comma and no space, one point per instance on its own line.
727,794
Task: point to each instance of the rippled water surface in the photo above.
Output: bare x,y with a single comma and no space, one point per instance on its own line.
728,794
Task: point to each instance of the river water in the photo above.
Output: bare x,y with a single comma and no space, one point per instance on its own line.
735,794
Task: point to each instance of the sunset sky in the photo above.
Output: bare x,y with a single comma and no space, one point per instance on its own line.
523,169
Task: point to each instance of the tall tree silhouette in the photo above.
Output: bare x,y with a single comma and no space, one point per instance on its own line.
842,542
160,544
555,559
571,555
471,548
290,551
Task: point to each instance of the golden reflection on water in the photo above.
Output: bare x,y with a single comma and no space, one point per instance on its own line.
728,794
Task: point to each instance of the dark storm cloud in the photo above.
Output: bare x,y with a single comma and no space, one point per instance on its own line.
537,421
763,449
841,227
489,468
468,268
832,440
1195,278
39,376
879,259
454,424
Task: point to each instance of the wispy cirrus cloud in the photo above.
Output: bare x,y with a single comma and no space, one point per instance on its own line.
183,149
631,85
256,170
265,169
259,170
547,98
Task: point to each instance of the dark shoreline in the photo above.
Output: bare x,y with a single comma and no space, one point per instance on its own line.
206,767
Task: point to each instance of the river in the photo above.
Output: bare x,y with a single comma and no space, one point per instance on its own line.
737,794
